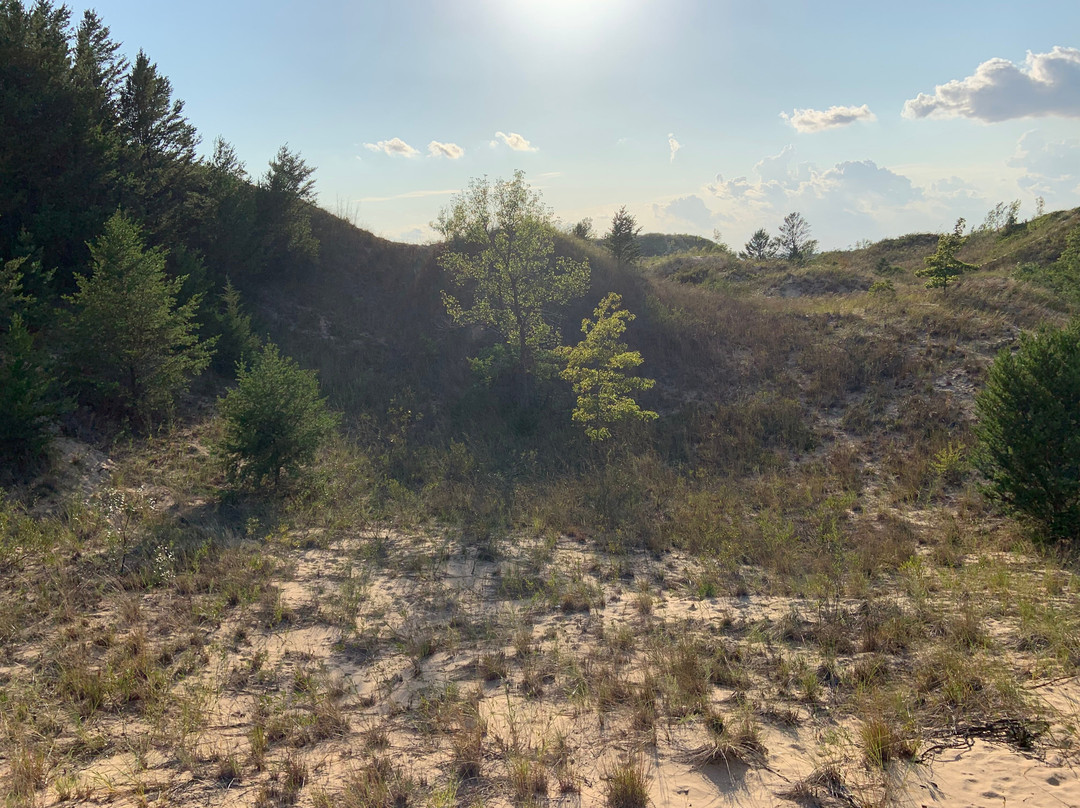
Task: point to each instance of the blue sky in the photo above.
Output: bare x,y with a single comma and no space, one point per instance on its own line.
871,119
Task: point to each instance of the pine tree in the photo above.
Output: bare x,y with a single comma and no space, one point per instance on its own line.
793,239
621,239
597,369
286,194
237,342
760,245
1029,431
99,68
27,402
132,349
943,265
275,421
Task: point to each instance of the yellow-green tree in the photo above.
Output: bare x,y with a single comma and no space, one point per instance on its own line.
943,265
598,370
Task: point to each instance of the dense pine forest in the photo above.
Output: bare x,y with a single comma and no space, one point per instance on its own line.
292,514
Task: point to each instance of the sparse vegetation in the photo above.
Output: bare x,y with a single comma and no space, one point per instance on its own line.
459,598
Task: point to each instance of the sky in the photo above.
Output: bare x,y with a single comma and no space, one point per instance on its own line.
871,119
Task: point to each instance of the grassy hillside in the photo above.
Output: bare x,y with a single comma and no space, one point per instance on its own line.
787,587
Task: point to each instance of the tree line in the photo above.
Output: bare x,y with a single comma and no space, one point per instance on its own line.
122,253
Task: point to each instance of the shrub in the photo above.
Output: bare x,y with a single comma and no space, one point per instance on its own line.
1029,431
275,421
26,402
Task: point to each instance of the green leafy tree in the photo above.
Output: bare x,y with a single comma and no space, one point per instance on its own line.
275,421
598,370
943,265
130,346
1029,431
622,239
793,239
501,250
760,245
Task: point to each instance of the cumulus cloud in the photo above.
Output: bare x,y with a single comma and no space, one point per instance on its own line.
451,151
673,145
955,188
854,196
395,147
691,209
514,141
1046,84
818,120
1050,167
864,185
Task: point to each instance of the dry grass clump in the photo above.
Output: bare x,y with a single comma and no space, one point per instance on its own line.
823,786
737,741
627,784
883,741
377,784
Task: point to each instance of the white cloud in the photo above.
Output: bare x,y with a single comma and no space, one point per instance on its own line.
817,120
673,145
1046,84
689,209
450,151
395,147
955,188
1050,167
413,235
514,141
854,196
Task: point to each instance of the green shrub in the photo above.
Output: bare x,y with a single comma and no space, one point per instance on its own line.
1029,431
27,405
275,421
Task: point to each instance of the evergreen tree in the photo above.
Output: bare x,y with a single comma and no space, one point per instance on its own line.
621,239
99,68
56,169
760,245
27,397
1029,431
237,342
131,349
27,402
275,421
150,119
286,194
162,183
501,249
943,265
597,370
793,239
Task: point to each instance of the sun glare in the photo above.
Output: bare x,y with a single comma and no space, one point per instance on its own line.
564,16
